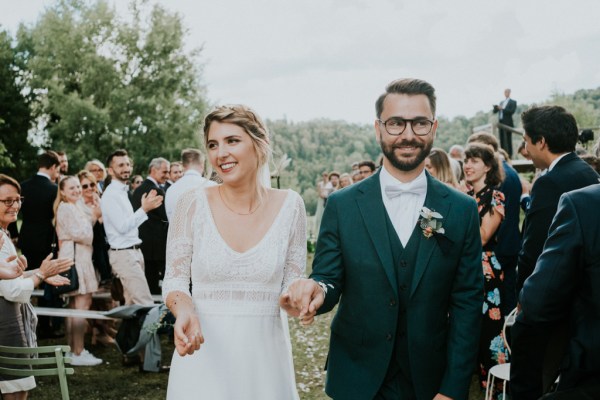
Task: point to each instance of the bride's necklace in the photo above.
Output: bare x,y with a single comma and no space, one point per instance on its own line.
232,210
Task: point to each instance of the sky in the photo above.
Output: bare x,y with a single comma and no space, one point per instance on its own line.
309,59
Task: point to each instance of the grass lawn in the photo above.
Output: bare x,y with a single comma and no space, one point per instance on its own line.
112,381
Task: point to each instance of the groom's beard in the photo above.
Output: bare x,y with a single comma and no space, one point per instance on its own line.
403,164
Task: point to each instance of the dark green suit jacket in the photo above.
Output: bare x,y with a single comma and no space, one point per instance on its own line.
354,258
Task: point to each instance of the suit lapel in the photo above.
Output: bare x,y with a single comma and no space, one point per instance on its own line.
370,205
435,200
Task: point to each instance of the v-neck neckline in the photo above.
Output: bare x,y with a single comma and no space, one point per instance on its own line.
258,244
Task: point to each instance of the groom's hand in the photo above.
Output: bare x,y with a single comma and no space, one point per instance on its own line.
440,396
305,296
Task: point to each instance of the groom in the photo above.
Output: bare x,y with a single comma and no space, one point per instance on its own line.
410,291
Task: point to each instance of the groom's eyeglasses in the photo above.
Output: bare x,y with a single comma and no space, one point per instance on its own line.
396,126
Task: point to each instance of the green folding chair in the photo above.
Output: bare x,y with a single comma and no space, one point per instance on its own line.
55,362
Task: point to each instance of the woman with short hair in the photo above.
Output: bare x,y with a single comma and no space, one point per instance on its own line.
18,320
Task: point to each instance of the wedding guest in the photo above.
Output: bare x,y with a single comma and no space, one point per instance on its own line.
322,192
64,164
18,323
240,244
522,151
37,237
509,236
366,168
565,286
438,165
193,165
345,180
457,152
551,135
90,203
121,225
334,181
153,231
175,173
136,181
505,110
74,228
483,173
97,168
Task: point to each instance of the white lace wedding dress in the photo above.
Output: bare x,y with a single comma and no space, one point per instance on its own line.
247,349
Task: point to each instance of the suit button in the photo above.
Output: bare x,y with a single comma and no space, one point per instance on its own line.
392,303
388,337
403,264
402,287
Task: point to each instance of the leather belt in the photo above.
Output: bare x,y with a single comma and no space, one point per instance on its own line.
134,247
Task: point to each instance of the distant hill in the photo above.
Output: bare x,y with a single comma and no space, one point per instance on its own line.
325,145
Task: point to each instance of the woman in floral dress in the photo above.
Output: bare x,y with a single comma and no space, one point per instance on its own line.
484,173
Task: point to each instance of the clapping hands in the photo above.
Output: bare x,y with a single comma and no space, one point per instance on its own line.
302,300
51,267
9,269
151,200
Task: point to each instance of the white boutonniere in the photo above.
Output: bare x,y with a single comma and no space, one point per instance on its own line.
430,222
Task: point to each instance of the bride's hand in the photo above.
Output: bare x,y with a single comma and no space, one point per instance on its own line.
188,334
286,305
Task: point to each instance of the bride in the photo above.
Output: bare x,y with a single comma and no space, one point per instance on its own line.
238,246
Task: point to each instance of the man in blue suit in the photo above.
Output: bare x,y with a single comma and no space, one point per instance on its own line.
564,288
400,253
550,136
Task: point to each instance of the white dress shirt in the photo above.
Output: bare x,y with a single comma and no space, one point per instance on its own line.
120,222
191,179
503,104
44,175
556,160
403,210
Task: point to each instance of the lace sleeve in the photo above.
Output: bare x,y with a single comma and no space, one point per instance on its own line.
180,246
295,260
73,224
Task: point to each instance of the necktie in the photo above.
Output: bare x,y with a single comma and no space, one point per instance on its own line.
417,188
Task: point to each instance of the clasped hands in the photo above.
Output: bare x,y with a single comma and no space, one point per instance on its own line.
302,300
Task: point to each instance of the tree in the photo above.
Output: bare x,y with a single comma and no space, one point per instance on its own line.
101,83
15,116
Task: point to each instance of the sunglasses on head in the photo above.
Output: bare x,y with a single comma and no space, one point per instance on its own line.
88,185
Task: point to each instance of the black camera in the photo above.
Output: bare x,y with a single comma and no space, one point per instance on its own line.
586,135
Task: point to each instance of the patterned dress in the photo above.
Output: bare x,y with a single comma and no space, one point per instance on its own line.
491,344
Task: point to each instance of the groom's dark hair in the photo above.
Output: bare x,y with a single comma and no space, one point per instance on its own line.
407,86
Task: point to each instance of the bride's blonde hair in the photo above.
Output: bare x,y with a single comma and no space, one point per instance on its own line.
247,119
